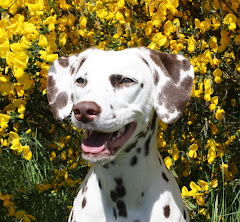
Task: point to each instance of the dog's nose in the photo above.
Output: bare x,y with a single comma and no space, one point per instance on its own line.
86,112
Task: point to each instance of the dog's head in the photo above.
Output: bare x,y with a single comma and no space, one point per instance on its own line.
112,94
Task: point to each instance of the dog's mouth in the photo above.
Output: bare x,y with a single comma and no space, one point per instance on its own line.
98,143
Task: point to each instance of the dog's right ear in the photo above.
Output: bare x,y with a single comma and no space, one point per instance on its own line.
60,81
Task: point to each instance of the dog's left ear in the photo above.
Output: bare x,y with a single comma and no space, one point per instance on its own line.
173,80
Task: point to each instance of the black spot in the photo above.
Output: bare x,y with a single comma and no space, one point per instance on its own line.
122,211
166,211
99,183
147,143
142,194
160,161
142,134
133,161
114,213
139,149
130,147
113,196
136,221
185,215
153,123
120,191
119,181
105,166
84,201
142,85
165,177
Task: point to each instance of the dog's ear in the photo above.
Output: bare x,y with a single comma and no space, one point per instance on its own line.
59,83
172,83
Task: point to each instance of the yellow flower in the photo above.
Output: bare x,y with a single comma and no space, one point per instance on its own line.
185,192
214,102
43,42
27,153
168,162
22,215
51,57
159,39
230,19
4,119
214,183
193,151
191,44
219,114
83,22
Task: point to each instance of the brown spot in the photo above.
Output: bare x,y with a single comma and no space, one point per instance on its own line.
111,106
63,61
166,211
72,70
185,65
155,77
84,201
114,116
51,89
165,177
173,97
61,100
115,80
81,63
187,83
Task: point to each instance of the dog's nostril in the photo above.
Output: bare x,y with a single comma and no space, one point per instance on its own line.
76,111
86,111
91,112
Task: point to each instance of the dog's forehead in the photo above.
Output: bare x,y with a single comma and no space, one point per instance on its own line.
115,62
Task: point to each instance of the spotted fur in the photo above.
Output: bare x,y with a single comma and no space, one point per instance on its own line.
106,91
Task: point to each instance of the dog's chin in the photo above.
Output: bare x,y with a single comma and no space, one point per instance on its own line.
100,148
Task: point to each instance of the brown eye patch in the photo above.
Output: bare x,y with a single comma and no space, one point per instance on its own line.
119,81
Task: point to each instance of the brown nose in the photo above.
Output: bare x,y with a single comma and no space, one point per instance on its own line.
86,112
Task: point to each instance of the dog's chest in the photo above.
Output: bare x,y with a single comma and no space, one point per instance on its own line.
121,198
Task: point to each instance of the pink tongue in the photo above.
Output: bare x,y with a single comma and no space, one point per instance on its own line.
96,142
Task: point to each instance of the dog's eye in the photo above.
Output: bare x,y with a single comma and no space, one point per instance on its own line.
80,81
126,81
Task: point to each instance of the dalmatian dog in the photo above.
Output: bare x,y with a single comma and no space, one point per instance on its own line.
118,97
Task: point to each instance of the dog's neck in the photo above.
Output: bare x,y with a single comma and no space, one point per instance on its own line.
132,173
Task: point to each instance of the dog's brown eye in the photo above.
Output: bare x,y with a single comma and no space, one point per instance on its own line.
82,82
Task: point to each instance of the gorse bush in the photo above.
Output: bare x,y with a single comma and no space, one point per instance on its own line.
40,158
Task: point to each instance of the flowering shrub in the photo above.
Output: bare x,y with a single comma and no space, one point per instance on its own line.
40,161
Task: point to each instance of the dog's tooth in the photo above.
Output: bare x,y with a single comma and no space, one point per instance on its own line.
118,134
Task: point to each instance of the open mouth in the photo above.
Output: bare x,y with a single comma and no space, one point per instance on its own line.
107,143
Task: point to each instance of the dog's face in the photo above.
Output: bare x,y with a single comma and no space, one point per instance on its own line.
112,95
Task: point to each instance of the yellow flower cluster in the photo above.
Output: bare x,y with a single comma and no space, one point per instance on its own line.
33,33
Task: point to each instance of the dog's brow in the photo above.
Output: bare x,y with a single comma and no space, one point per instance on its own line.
81,63
115,79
